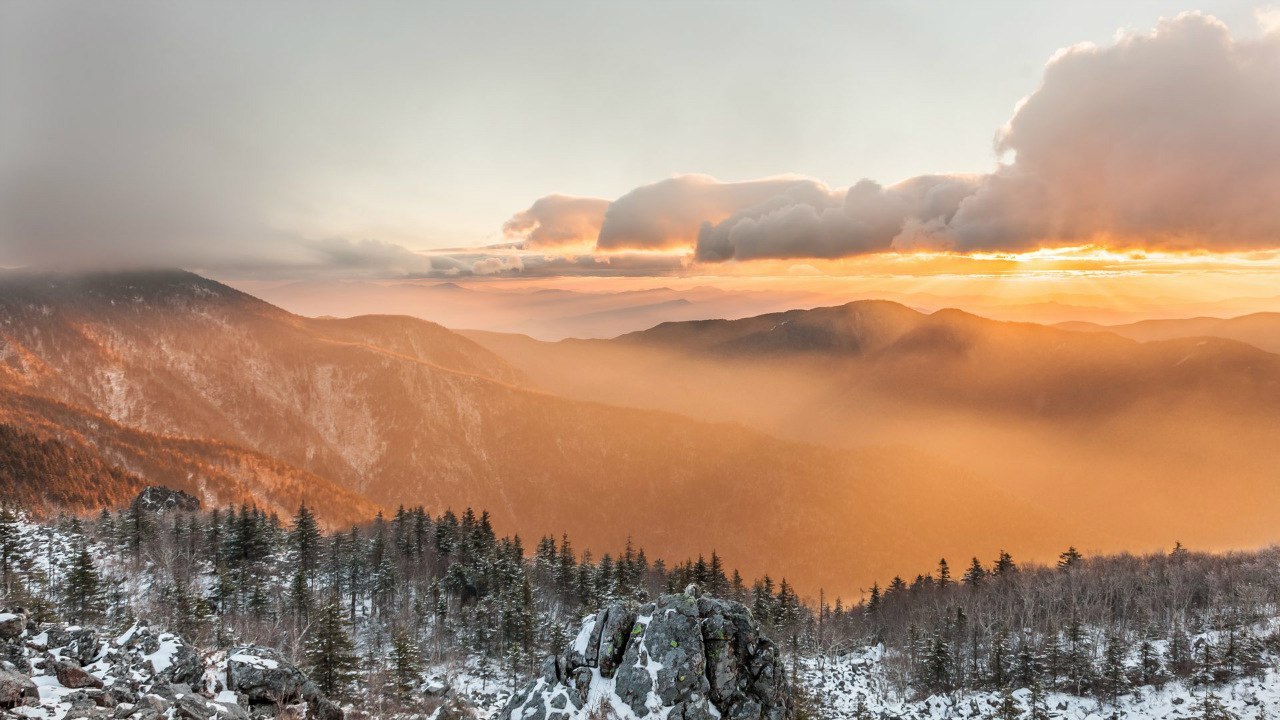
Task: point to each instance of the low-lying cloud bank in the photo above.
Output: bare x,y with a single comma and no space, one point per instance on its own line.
1166,139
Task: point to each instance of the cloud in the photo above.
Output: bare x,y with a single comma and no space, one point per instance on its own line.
669,213
867,219
1164,139
557,221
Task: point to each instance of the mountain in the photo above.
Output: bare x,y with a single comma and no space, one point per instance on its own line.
890,353
1262,330
548,313
58,457
395,410
1132,440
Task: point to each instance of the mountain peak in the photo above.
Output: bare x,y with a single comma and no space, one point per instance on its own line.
94,291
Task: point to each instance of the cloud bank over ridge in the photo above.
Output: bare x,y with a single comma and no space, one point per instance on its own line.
1163,140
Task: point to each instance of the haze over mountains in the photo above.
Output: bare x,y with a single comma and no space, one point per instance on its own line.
834,445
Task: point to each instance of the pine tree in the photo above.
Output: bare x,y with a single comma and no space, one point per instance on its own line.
136,529
10,547
406,664
1150,670
1077,661
938,662
304,542
998,661
873,601
330,653
1069,558
82,587
1004,565
944,574
974,576
1114,680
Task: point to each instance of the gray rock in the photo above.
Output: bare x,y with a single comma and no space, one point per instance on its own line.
264,677
12,625
691,656
186,667
75,643
192,706
72,676
159,499
615,631
15,687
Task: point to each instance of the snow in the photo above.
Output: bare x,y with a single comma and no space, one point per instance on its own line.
857,682
162,659
255,661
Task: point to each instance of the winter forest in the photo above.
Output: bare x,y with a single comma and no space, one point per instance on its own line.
420,613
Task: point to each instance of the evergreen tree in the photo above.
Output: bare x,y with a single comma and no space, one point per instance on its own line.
1069,558
82,587
10,547
1004,565
1113,680
998,661
938,664
330,652
944,574
304,542
406,664
974,576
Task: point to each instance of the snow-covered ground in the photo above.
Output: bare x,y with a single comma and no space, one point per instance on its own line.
854,686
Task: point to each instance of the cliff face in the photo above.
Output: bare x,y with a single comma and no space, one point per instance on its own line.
682,657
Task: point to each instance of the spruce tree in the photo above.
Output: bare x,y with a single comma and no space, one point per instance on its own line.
82,591
1069,558
304,542
974,576
1113,680
406,664
1004,565
10,547
330,653
944,574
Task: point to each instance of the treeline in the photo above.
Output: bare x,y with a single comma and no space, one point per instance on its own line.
365,609
1088,626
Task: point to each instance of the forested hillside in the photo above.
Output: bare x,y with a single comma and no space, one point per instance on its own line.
401,614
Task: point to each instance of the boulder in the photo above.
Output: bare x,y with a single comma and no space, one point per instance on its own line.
74,643
15,687
73,676
12,623
264,677
186,667
683,657
192,706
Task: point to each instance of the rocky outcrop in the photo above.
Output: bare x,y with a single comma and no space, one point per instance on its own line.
682,657
264,677
15,687
159,499
78,644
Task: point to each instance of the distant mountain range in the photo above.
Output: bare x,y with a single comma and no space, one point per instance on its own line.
836,444
1261,330
179,380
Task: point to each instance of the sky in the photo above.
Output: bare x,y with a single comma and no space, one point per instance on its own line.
650,139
